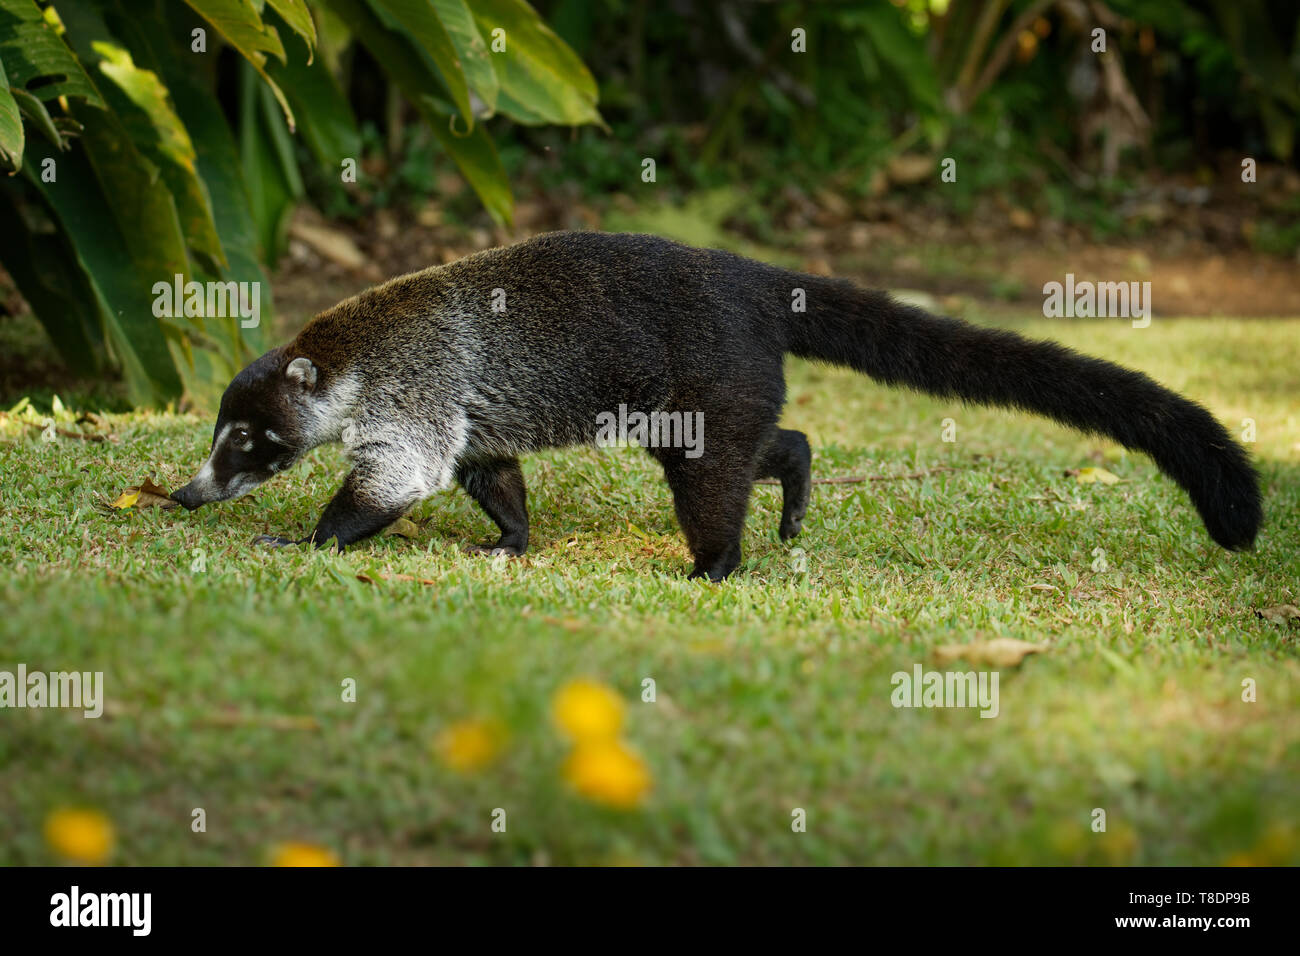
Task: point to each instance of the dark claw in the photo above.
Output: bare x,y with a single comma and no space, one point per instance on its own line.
271,541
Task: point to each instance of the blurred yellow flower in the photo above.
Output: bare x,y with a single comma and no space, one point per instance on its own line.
587,710
470,745
83,836
302,854
608,772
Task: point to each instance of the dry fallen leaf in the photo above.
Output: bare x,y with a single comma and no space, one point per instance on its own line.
144,495
1279,614
233,718
908,169
568,623
1021,219
1000,652
371,578
68,433
334,245
1090,476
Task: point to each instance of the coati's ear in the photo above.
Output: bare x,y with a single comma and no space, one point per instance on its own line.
301,370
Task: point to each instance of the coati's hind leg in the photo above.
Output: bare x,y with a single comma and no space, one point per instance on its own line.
711,496
498,487
788,457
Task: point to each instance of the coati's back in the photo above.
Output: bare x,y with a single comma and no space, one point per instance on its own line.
539,338
632,305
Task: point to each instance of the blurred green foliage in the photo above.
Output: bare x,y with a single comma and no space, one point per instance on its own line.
157,140
1004,86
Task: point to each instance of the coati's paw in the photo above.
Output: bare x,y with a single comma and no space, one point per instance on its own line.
492,550
271,541
791,525
714,576
716,569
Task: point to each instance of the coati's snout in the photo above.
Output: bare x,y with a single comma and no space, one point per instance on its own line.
188,497
257,435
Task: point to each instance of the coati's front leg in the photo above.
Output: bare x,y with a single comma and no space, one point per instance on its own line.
373,496
788,457
498,487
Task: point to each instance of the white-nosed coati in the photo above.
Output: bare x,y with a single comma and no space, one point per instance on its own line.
426,378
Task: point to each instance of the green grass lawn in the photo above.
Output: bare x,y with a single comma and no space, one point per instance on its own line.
772,690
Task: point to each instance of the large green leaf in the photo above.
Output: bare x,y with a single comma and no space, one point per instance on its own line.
124,229
158,187
333,38
121,268
11,126
419,20
296,14
141,105
474,155
542,79
218,163
239,22
475,60
146,218
270,173
325,119
159,133
38,116
36,58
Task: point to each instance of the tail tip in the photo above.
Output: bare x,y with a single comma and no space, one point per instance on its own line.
1234,523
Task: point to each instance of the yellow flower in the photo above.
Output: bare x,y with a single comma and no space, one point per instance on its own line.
302,854
83,836
588,711
607,772
470,745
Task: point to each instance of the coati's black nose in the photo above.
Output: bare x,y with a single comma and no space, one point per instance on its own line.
188,497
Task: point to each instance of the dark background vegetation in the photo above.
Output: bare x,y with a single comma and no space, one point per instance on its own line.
712,91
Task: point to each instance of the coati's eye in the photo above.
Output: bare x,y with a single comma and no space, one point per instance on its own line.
243,441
